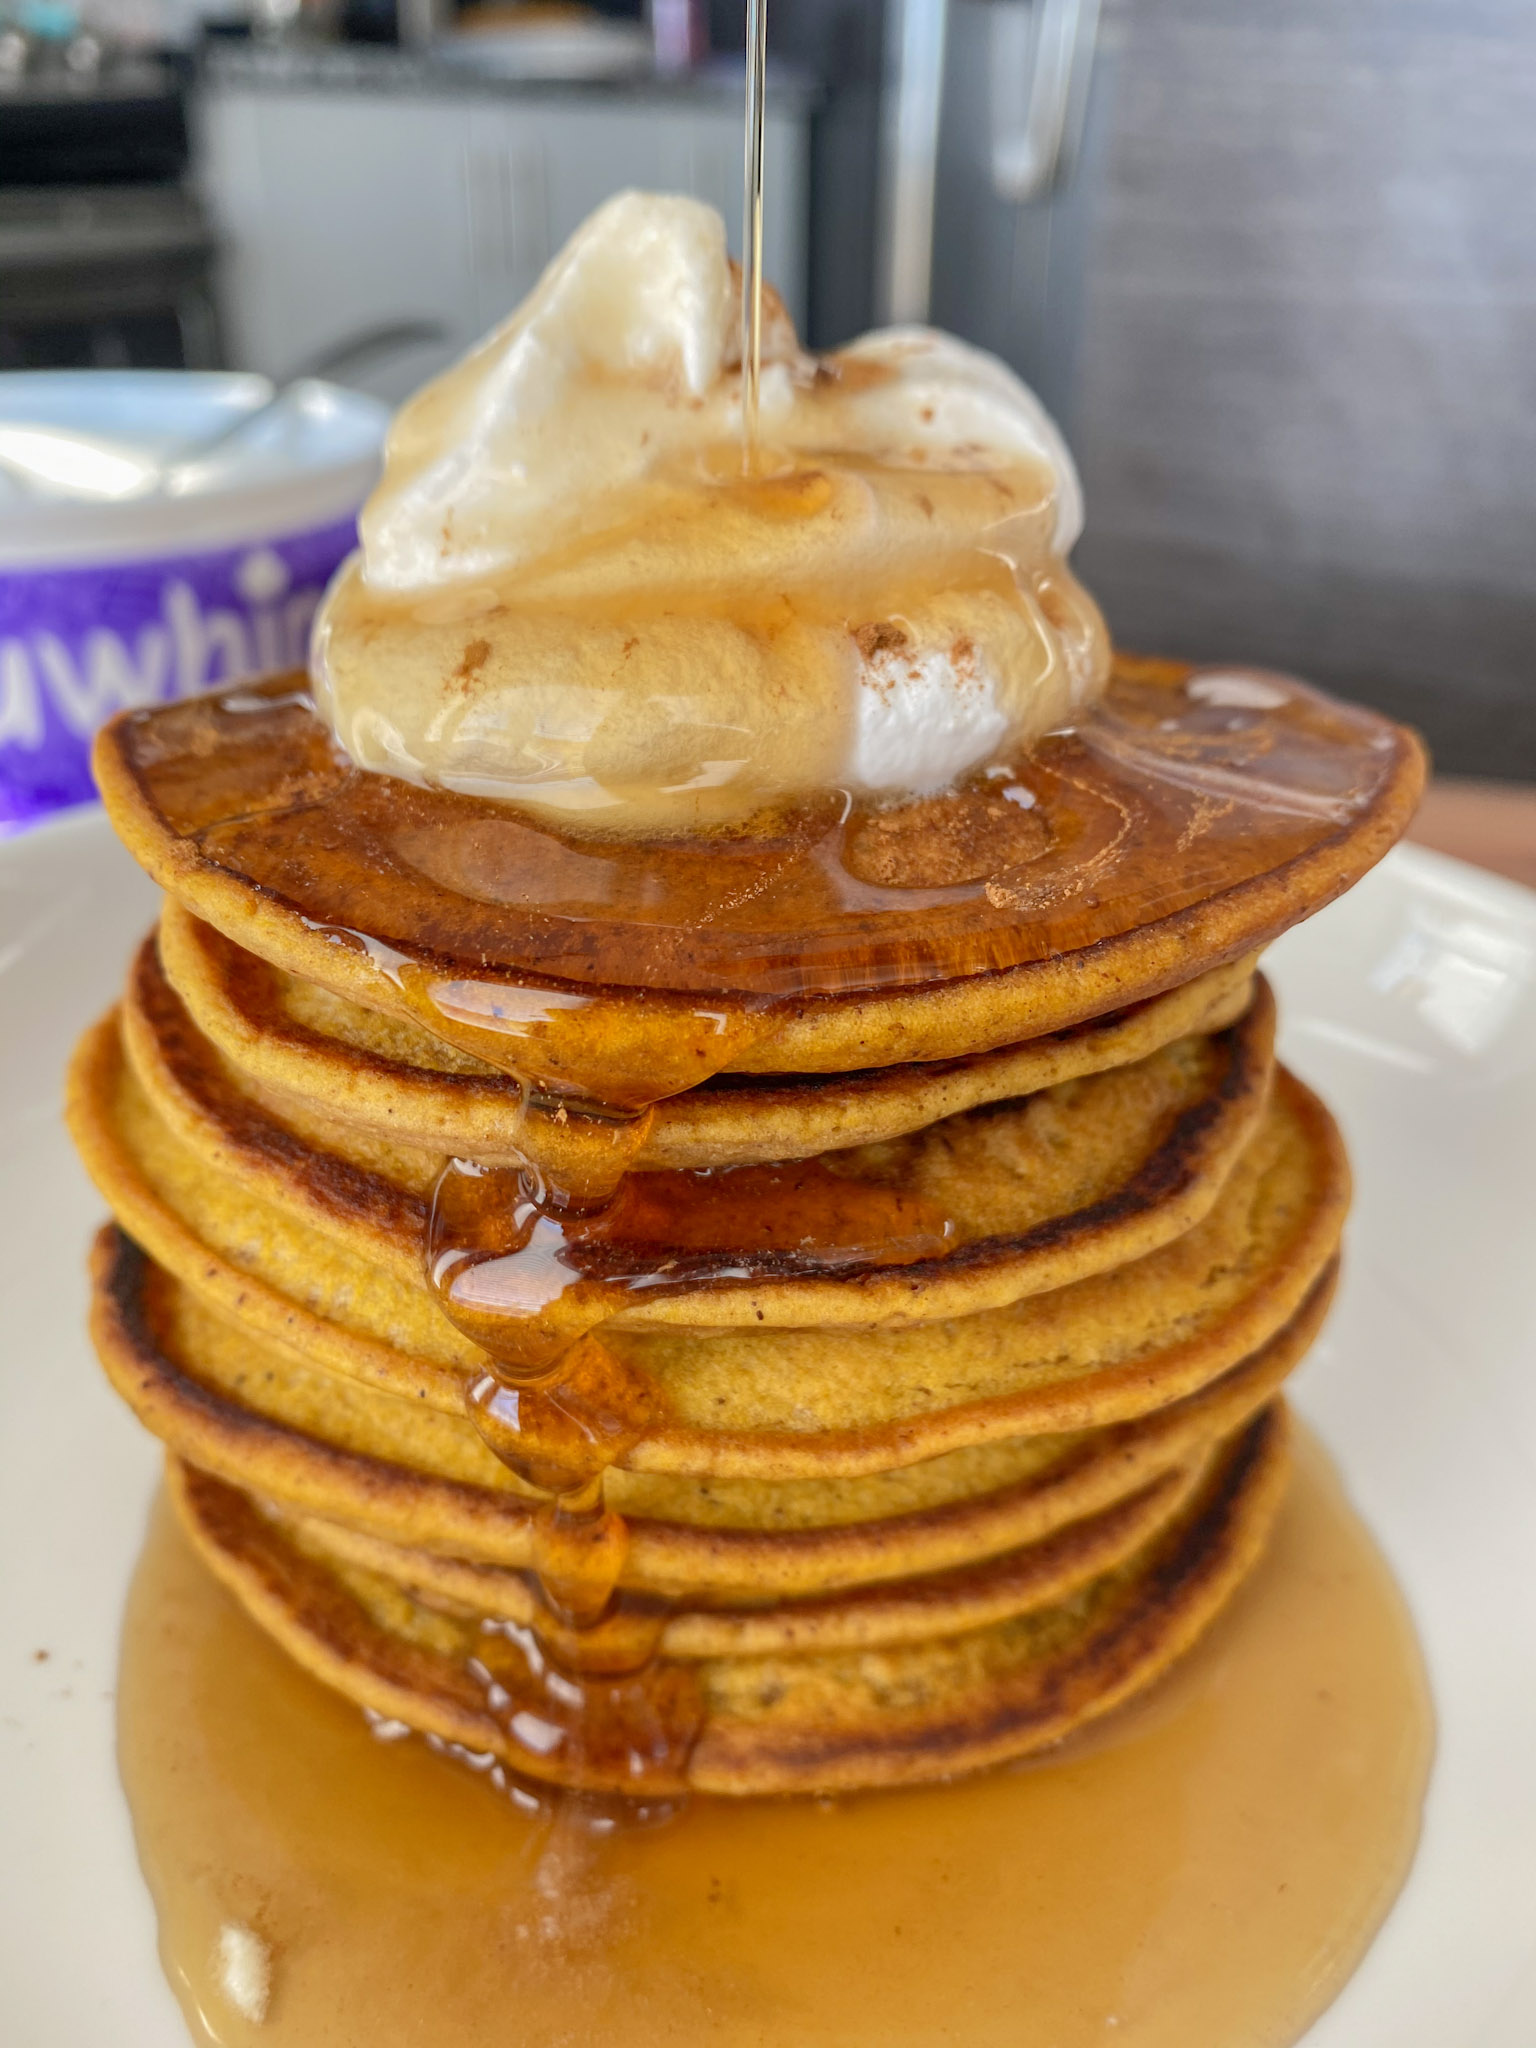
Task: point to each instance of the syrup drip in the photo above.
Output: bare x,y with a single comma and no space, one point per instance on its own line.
627,1729
531,1274
558,1407
525,1276
590,1080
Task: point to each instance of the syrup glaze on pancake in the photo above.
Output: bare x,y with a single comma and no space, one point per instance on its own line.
1179,826
1185,821
972,1212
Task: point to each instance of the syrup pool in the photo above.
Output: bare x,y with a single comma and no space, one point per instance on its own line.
1205,1869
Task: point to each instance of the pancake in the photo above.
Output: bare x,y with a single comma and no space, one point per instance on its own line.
307,1052
908,1717
817,1721
908,1610
200,1386
774,1402
1068,1182
1174,833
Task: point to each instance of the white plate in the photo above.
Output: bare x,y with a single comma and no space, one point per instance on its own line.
1412,1005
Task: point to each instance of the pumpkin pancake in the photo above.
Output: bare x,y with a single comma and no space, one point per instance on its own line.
204,1388
1037,1193
907,1610
821,1720
330,1068
1178,829
930,1710
770,1402
1103,1350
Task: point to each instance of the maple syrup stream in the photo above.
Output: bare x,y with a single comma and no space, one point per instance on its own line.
752,231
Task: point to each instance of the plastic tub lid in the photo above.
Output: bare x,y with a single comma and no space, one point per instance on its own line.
308,461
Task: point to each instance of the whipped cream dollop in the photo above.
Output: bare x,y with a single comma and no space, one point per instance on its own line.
574,592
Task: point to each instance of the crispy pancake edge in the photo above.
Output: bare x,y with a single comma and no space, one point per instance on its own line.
866,1617
1127,1390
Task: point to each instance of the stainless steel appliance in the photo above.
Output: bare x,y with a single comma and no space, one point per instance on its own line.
1274,268
105,256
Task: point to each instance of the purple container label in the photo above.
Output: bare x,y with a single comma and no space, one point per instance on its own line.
78,644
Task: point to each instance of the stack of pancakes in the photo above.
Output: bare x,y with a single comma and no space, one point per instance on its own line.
892,1521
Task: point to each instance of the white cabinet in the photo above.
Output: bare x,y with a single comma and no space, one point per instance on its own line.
336,213
345,209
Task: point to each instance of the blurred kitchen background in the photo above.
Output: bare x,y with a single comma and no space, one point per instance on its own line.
1273,266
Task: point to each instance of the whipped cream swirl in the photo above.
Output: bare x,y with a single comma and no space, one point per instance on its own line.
571,594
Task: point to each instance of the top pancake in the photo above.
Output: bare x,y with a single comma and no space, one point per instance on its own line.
1189,821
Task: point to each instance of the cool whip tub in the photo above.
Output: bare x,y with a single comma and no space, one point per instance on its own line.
111,602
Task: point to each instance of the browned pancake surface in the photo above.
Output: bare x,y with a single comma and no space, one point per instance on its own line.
358,1079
